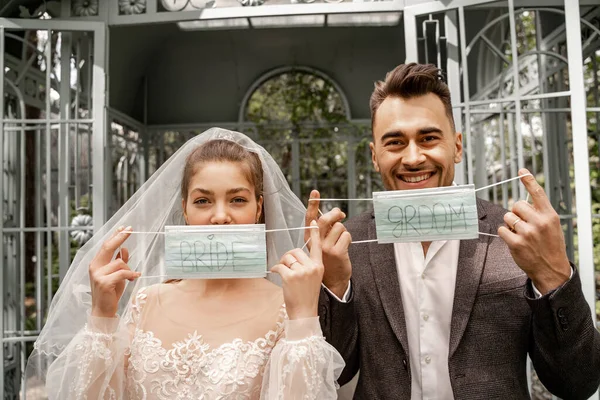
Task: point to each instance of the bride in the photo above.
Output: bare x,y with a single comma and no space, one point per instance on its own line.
191,338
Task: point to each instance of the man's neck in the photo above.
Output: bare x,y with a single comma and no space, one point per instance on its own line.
425,247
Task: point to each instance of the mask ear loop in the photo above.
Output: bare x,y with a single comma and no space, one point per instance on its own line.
476,190
306,244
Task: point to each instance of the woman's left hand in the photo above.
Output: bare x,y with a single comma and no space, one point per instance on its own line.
302,276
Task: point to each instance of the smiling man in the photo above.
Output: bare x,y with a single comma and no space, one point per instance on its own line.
451,319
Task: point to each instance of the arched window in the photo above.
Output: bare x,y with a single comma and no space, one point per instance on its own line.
302,118
295,96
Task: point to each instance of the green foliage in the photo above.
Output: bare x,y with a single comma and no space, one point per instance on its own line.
301,114
30,322
295,98
591,76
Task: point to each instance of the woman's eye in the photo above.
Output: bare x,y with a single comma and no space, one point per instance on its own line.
201,201
239,200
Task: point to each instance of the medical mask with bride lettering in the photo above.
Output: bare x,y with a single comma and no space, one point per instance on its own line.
424,215
215,251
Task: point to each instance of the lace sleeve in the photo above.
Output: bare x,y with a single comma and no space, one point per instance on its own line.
93,364
89,367
302,364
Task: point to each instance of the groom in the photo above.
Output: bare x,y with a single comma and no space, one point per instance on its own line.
451,319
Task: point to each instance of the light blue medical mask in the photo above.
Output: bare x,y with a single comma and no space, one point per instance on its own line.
215,251
424,215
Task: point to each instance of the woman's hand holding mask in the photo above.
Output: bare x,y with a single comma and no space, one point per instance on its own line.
108,276
302,276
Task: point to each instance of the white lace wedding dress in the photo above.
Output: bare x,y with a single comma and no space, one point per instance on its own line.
291,360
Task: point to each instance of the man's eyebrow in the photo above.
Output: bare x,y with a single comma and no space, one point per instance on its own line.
399,134
430,129
392,134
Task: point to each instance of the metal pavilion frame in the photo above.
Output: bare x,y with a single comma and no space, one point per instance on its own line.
457,63
465,108
99,123
43,127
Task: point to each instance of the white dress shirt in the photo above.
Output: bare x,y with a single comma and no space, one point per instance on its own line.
427,286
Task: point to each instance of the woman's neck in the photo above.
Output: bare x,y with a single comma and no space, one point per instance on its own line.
216,287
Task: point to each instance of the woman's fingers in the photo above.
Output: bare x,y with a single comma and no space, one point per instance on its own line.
282,270
107,251
112,273
123,254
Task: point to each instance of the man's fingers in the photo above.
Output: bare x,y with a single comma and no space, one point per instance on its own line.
316,253
512,220
510,238
106,252
538,195
524,211
327,221
333,216
344,241
334,235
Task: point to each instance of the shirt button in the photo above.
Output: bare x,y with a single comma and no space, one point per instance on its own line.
427,359
425,317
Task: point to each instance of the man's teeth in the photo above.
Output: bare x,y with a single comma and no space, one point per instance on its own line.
415,179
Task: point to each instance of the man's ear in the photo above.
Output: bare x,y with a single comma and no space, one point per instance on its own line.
373,158
458,153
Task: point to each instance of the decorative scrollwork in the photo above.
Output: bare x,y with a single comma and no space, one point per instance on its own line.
132,7
85,8
82,235
187,5
252,3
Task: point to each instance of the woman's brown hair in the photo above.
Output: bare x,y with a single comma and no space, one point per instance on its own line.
219,151
223,151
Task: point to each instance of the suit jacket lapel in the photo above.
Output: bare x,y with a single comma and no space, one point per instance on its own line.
385,273
471,259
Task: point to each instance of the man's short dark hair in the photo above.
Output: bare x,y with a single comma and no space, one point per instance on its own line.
412,80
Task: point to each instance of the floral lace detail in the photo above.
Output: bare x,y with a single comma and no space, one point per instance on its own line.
297,357
95,347
192,370
136,306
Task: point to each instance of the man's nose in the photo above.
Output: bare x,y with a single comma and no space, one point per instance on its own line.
413,156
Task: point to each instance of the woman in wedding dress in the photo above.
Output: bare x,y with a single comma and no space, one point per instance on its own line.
192,338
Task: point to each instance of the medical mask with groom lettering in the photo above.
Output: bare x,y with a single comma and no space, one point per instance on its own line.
424,215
